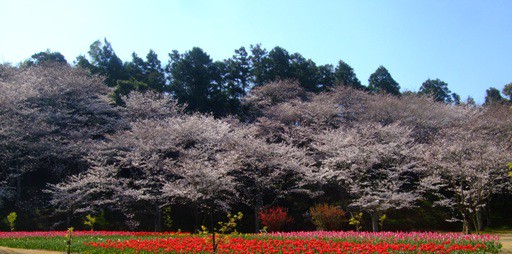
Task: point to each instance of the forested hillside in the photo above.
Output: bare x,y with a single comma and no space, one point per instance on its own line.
141,143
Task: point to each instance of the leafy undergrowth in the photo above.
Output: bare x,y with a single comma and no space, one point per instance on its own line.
295,242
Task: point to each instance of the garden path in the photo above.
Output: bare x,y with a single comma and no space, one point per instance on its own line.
5,250
506,240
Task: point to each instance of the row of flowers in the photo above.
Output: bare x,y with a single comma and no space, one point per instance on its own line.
21,234
291,242
389,236
195,244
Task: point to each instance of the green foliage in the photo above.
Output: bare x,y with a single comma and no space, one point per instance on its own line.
437,89
90,221
46,57
356,220
166,215
345,75
382,218
492,96
381,82
230,225
227,227
197,81
11,218
105,62
69,239
124,87
327,217
101,222
93,221
507,90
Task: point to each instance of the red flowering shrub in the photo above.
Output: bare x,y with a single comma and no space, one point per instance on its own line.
327,217
274,218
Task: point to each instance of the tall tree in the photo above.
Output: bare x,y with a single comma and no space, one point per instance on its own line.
155,76
45,57
456,99
468,168
259,61
279,66
381,82
141,76
104,61
305,71
196,81
344,75
268,173
507,90
50,118
374,163
492,96
238,78
437,89
326,78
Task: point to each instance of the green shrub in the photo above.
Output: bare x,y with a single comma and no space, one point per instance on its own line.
11,218
356,220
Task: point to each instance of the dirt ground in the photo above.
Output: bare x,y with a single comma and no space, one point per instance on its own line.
506,240
4,250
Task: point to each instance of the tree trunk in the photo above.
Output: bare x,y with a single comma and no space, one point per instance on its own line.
68,218
18,190
375,221
212,224
257,210
465,226
256,219
479,219
196,218
475,223
158,218
487,212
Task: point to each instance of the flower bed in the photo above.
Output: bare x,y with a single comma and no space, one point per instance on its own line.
314,242
21,234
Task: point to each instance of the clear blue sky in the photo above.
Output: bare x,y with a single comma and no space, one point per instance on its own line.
467,44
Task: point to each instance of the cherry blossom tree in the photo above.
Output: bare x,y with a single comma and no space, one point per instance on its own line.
182,159
50,117
374,163
467,169
87,192
268,172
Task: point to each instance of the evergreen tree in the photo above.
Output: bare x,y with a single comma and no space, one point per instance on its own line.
507,90
305,71
259,61
344,75
45,57
326,76
492,96
238,77
279,66
437,89
197,81
104,61
382,82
